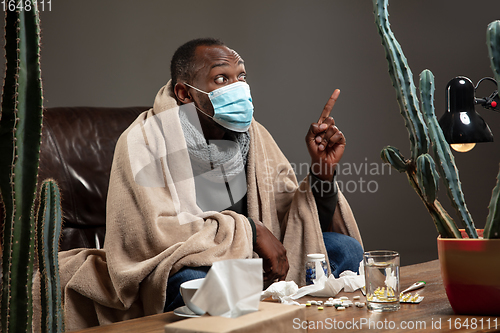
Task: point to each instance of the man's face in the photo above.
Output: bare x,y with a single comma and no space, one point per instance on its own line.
215,67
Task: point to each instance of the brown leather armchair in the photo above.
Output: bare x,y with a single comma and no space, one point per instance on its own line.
77,150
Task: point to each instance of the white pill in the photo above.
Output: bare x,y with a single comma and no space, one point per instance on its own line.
340,308
313,302
356,297
319,302
344,297
328,303
360,305
330,299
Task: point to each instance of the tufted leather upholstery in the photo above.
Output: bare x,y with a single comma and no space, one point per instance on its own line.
77,151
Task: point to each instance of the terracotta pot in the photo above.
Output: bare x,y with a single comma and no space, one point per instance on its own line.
470,269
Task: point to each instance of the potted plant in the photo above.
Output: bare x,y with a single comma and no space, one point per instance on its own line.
469,258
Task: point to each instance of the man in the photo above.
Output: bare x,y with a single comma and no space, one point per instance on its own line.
196,180
207,65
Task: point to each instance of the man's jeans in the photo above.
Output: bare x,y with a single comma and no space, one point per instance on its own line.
344,253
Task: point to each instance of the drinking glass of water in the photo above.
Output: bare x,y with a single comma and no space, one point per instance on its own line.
382,280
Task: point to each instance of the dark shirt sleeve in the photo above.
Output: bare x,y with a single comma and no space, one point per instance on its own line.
240,207
325,194
254,231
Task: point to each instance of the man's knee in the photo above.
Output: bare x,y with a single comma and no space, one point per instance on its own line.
354,247
344,252
336,242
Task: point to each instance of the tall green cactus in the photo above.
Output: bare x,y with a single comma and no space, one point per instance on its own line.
420,168
402,80
49,221
20,132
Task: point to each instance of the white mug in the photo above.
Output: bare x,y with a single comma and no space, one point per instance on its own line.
188,289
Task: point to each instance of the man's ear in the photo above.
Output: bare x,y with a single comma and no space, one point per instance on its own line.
181,92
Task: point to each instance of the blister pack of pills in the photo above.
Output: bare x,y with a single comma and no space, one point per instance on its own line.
411,299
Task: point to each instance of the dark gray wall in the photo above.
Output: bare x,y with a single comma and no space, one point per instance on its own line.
117,53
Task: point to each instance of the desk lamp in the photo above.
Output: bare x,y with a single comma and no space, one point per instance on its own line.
462,126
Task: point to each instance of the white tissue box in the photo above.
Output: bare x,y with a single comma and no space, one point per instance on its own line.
271,318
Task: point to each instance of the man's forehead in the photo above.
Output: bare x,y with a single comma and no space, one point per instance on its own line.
208,56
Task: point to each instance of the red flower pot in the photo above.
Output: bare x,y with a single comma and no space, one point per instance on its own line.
470,269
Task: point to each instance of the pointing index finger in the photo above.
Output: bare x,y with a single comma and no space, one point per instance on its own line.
329,106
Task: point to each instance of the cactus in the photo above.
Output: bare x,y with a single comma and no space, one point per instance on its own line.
402,80
20,133
49,220
420,168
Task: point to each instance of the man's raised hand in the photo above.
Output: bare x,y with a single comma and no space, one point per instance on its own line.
325,142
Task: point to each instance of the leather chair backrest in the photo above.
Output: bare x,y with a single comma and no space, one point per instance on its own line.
77,151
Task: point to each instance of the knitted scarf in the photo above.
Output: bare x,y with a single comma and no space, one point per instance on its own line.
230,153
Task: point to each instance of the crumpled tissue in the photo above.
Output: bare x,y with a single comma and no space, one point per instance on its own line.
231,288
322,286
280,290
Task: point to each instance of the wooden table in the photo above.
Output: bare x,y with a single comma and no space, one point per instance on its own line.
434,313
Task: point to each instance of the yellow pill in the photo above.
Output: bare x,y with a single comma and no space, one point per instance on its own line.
320,308
308,304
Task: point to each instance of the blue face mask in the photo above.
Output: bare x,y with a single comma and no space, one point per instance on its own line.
233,108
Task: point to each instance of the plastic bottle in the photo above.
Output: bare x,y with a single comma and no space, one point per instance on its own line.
313,260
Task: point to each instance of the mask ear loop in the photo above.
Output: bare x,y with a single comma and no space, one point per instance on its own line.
197,108
187,84
206,114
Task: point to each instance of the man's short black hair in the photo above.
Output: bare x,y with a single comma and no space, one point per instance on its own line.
182,64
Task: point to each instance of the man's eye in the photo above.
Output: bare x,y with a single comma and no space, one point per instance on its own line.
242,77
220,80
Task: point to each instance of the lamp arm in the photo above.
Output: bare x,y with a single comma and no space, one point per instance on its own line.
483,79
491,102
